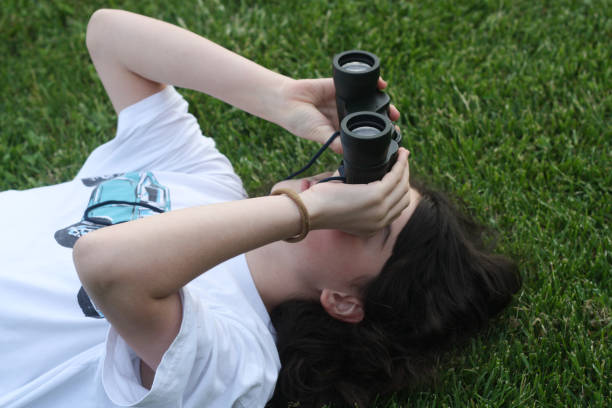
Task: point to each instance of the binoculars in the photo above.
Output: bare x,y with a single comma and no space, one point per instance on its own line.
370,142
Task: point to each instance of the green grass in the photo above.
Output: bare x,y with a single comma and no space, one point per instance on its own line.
507,104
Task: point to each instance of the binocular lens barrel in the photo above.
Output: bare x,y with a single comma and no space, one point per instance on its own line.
368,146
355,74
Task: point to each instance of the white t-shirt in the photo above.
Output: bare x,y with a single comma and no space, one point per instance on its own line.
51,355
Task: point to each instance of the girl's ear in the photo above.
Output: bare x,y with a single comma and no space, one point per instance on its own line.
342,306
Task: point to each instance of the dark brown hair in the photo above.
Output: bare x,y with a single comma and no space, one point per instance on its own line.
441,285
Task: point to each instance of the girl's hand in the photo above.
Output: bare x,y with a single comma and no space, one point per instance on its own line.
360,209
311,109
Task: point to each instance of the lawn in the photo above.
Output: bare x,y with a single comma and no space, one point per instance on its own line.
506,104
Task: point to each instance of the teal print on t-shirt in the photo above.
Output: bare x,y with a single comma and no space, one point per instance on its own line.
127,197
115,199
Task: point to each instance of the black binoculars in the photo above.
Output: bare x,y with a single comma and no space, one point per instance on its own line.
370,142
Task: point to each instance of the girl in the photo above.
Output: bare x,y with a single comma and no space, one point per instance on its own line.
317,293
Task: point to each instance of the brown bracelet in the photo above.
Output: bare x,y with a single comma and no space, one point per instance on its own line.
303,213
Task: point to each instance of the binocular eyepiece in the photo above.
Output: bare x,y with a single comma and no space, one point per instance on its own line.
369,140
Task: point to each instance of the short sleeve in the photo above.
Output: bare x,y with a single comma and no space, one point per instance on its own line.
121,368
212,362
158,134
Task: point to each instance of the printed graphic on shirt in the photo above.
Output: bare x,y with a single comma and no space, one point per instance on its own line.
94,181
115,199
122,198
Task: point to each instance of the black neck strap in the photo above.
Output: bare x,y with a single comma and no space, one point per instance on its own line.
100,221
315,157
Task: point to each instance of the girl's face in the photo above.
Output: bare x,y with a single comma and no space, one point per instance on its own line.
346,262
341,261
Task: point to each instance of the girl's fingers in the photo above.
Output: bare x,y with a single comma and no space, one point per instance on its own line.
382,84
391,179
398,200
401,205
401,187
394,113
399,196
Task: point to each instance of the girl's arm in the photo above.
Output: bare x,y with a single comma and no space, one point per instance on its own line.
133,271
135,56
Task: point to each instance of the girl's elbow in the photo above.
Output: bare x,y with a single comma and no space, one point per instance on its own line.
92,264
98,23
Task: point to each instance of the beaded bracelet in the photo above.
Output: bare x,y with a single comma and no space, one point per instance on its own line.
303,213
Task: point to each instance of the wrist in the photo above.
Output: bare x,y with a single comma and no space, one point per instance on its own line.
314,207
305,217
283,102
